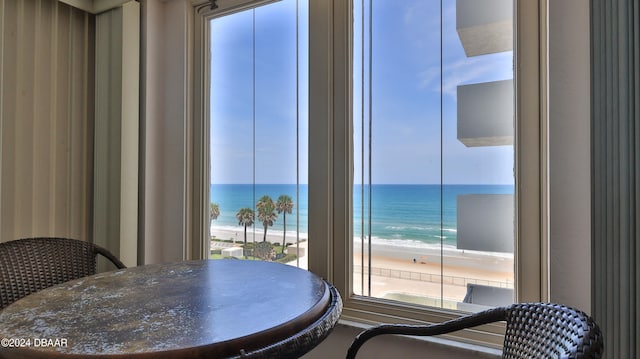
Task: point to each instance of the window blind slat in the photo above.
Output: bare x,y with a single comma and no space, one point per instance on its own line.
615,122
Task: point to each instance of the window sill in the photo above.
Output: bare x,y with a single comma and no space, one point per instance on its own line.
437,347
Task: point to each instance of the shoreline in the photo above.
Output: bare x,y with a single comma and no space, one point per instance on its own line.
395,274
401,257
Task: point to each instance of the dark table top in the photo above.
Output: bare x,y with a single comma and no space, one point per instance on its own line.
213,309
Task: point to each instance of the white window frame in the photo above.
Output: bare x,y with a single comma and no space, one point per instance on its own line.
331,176
199,167
330,152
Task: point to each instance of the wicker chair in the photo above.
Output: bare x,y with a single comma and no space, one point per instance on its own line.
32,264
534,330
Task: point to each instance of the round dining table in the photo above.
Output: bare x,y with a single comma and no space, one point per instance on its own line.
193,309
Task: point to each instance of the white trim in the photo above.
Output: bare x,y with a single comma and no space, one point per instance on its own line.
167,77
323,116
95,6
116,132
529,58
225,8
198,172
130,133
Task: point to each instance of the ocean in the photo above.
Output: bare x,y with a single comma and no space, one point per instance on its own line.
401,214
232,197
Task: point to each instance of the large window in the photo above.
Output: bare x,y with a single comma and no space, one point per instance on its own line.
421,141
388,98
258,133
433,194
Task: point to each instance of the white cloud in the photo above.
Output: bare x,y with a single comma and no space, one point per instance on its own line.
422,22
467,71
429,78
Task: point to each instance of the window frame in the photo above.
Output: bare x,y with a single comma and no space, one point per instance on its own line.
198,170
330,210
331,148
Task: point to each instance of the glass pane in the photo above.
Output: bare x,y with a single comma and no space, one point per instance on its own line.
433,154
259,143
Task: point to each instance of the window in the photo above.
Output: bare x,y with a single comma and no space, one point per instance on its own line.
334,99
334,138
258,132
433,128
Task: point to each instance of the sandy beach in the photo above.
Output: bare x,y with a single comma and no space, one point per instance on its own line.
401,271
273,236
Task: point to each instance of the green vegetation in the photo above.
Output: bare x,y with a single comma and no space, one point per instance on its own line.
264,251
284,205
245,217
287,258
214,212
266,213
258,251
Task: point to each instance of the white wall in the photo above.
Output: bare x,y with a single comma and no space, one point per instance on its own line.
569,153
164,34
115,185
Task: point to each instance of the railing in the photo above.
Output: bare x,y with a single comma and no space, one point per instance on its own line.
432,277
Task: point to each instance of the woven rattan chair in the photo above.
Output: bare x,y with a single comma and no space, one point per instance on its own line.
32,264
534,330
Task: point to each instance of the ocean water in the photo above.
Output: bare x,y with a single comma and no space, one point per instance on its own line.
232,197
400,214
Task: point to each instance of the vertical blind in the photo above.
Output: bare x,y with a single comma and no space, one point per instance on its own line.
615,40
46,119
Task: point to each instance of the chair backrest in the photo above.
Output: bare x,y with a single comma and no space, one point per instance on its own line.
533,330
547,330
32,264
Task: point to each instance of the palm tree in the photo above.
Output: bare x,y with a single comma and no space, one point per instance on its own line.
245,218
214,212
264,201
284,205
266,213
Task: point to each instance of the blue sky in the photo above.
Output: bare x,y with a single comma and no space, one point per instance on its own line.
406,97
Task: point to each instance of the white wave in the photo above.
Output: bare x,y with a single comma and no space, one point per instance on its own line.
420,228
388,243
418,246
